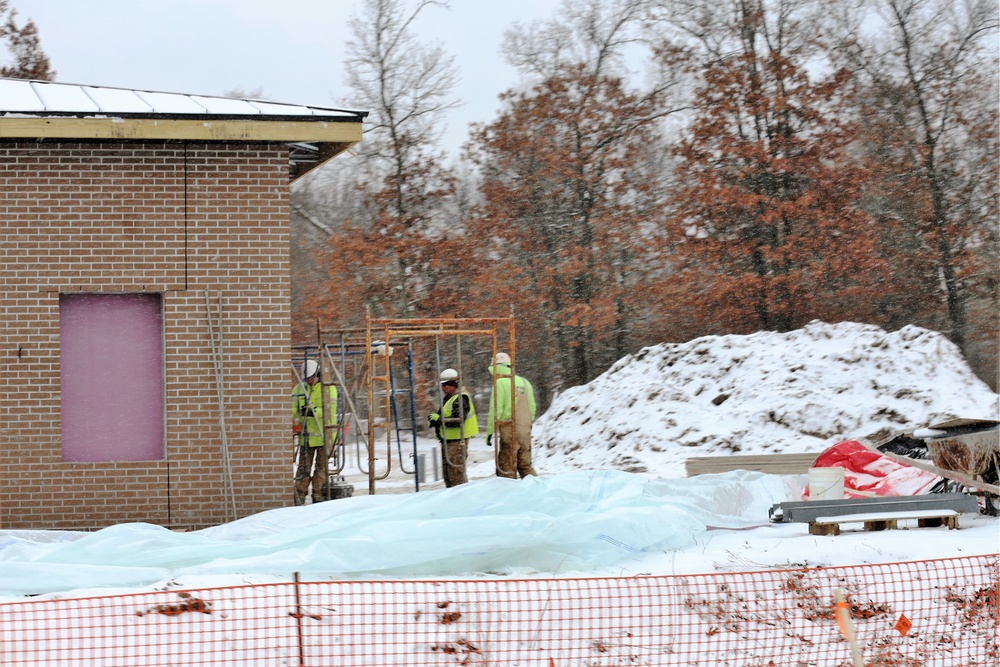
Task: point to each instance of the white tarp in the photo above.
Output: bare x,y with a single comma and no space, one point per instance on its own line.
569,523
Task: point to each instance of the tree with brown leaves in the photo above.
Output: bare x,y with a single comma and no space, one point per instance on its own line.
24,45
567,213
771,233
929,81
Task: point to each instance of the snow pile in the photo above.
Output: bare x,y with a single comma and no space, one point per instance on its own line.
764,393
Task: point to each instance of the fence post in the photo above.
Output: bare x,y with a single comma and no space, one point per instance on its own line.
298,621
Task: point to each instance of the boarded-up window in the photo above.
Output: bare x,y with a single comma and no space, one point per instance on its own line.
111,358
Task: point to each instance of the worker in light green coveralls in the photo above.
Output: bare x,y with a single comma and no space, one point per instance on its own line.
514,454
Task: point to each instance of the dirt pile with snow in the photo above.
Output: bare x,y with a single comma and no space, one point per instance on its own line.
763,393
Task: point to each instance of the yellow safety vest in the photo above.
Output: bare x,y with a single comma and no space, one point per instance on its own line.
469,427
311,423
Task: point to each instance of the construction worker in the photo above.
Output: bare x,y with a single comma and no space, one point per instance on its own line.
514,450
307,417
454,424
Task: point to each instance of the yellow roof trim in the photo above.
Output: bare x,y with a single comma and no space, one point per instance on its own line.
256,129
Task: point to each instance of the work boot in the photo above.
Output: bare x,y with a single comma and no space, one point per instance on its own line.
299,499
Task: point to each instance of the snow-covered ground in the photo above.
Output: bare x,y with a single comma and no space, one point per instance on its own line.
611,499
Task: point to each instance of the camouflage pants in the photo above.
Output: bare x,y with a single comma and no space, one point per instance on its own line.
453,455
312,469
514,454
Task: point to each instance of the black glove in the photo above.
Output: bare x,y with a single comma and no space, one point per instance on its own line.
489,440
433,419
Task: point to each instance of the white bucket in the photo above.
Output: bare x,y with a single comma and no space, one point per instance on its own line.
826,483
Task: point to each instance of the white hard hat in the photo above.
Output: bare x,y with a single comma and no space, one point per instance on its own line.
502,358
379,347
310,369
449,375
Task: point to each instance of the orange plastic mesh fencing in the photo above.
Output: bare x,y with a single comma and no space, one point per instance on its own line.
937,613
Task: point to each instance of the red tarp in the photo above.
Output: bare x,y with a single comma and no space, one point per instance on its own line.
873,473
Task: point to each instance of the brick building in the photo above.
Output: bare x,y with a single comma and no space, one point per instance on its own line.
145,302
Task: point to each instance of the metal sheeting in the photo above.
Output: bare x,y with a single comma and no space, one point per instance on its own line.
22,96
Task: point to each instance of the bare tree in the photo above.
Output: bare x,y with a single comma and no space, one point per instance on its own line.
406,85
709,31
388,254
599,33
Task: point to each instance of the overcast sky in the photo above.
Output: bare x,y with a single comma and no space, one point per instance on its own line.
291,50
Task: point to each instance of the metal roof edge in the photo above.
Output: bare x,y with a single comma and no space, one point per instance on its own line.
36,86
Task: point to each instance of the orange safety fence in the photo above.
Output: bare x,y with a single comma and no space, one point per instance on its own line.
932,613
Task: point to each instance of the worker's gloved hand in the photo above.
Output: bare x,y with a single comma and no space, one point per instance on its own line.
296,428
489,440
433,419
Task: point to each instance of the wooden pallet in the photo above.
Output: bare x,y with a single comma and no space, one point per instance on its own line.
830,525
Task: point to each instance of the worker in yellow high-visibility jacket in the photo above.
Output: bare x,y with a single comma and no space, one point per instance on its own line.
307,425
454,424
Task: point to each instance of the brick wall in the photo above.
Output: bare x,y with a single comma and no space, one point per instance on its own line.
182,220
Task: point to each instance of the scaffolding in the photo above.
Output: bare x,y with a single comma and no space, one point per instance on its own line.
343,362
373,369
382,335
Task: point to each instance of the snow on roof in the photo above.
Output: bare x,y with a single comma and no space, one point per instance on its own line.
314,134
31,97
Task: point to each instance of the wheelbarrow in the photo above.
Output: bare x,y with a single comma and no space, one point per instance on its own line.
970,447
